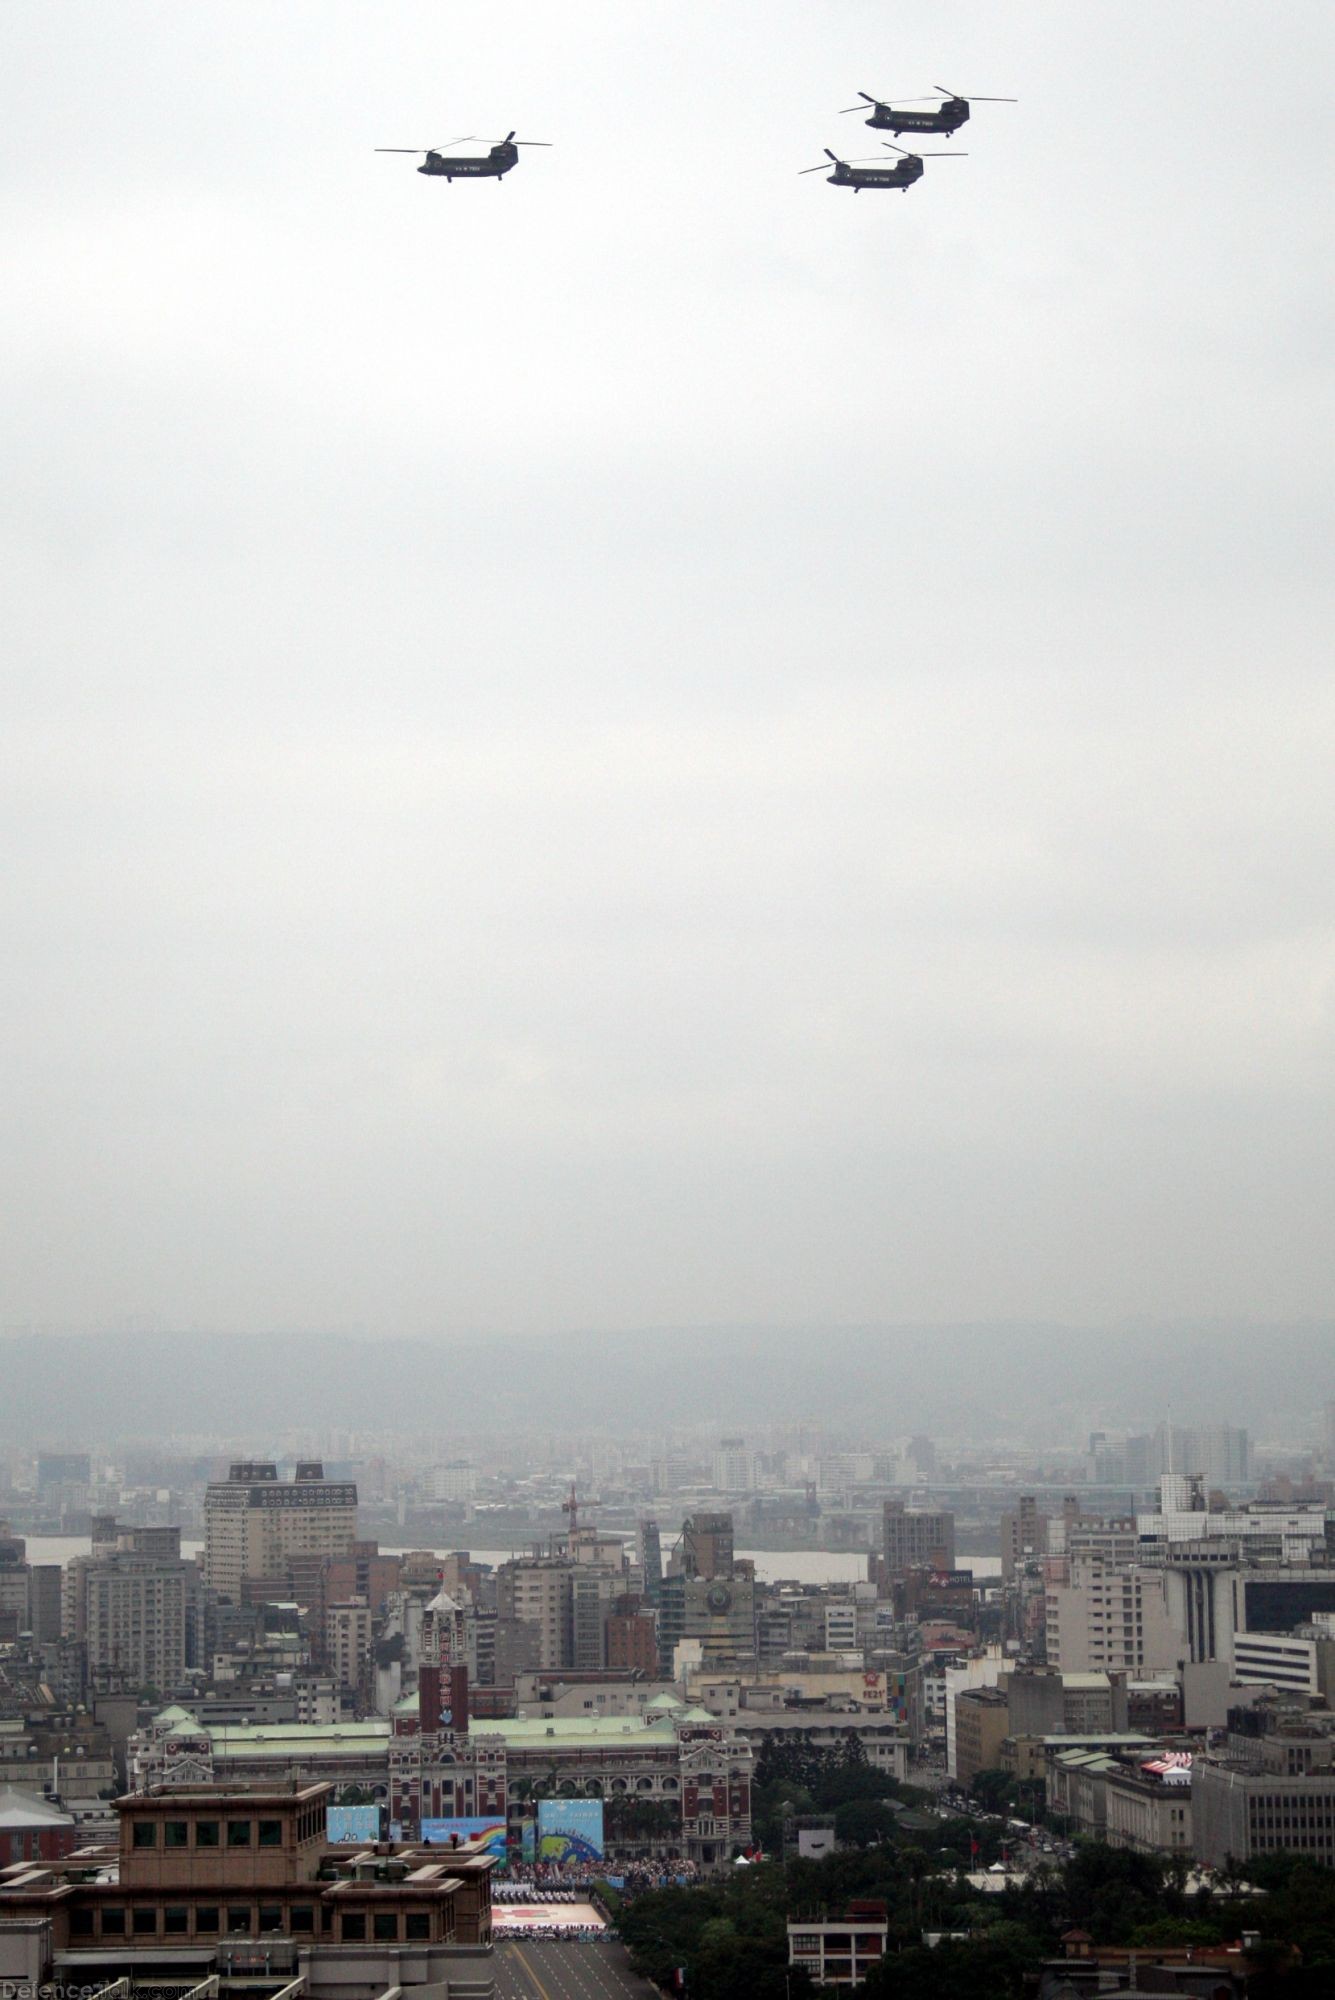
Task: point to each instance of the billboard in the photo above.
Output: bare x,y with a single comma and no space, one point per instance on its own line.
357,1824
570,1830
440,1832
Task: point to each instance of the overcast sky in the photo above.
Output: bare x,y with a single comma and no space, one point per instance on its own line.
657,741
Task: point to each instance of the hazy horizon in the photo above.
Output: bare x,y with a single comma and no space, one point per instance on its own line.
1036,1382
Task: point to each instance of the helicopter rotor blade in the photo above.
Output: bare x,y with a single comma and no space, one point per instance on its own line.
898,149
403,149
940,156
462,140
973,100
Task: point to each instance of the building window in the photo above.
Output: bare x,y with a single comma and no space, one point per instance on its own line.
175,1920
353,1928
238,1923
302,1918
175,1833
416,1925
271,1917
271,1833
206,1918
81,1923
145,1923
113,1923
238,1833
145,1833
206,1833
385,1927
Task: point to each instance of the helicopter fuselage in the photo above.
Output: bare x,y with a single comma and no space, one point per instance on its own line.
472,167
947,118
902,175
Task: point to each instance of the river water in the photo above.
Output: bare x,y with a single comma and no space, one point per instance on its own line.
812,1566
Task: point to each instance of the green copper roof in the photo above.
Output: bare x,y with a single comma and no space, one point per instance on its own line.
293,1742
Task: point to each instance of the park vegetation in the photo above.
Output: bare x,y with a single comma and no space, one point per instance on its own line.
727,1940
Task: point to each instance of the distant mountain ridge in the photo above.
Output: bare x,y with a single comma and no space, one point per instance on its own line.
989,1380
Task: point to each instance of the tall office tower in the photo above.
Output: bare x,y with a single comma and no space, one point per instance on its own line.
915,1540
15,1585
1220,1453
649,1553
254,1522
706,1545
136,1615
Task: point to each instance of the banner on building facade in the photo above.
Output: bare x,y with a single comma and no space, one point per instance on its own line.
352,1825
570,1830
443,1832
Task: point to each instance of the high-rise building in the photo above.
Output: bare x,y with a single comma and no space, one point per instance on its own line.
1105,1617
536,1591
707,1546
456,1480
632,1637
734,1467
347,1640
649,1555
254,1522
916,1540
719,1612
1024,1535
135,1615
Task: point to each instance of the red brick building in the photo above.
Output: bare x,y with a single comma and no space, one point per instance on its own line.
32,1830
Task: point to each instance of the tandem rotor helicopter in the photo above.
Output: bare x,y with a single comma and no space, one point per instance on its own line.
943,118
503,155
905,171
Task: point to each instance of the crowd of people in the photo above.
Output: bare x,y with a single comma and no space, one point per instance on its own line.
636,1876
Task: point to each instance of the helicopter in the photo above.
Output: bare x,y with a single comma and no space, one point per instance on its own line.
906,170
504,154
944,118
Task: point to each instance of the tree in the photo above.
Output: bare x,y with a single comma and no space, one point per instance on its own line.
994,1790
863,1822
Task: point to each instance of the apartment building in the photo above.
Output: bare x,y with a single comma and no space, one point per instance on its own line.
255,1524
135,1616
1102,1618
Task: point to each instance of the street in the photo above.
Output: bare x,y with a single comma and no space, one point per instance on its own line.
531,1969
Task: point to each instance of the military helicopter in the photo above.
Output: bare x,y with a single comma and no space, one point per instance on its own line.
469,166
906,170
944,118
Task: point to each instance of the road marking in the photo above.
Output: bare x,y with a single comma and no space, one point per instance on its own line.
531,1973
